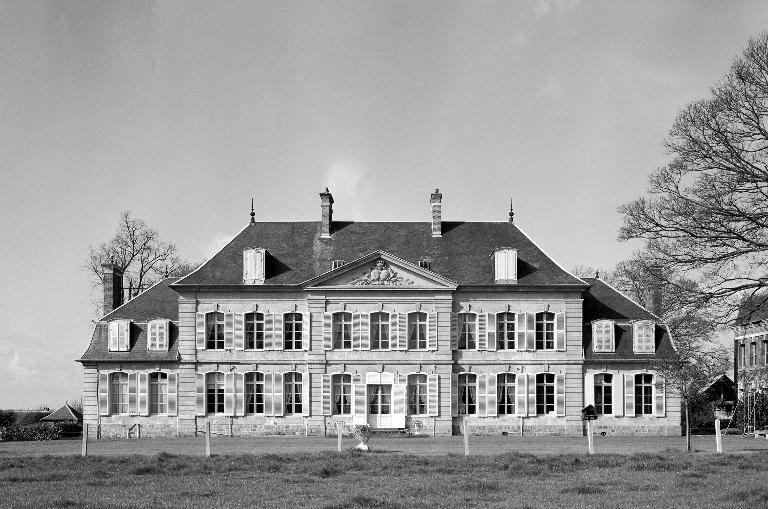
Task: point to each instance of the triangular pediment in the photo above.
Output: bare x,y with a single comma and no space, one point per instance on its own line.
380,270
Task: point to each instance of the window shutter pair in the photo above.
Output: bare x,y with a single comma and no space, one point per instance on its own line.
157,335
273,331
119,335
433,392
103,393
492,405
359,408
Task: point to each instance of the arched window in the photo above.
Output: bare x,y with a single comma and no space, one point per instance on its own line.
214,393
379,331
341,388
254,331
467,323
158,393
292,331
545,331
643,394
505,391
545,393
214,331
118,393
604,393
417,394
644,340
254,393
417,331
342,331
505,331
603,336
467,394
292,392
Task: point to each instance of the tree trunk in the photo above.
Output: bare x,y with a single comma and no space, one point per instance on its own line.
687,428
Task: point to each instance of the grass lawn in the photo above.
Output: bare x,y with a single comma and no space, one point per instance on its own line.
387,479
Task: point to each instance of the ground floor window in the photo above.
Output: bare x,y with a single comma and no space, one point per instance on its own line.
417,394
158,393
643,394
604,394
467,394
505,391
380,399
545,393
214,393
254,393
118,393
292,383
341,389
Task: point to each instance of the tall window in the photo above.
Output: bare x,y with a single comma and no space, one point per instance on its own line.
214,331
292,325
254,331
292,394
467,394
602,336
545,393
157,335
118,393
505,391
417,331
742,354
379,399
341,394
342,331
214,393
467,331
417,394
158,393
505,331
545,331
644,341
254,393
604,393
753,353
379,331
643,394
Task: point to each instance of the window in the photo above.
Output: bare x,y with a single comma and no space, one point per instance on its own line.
254,331
342,331
379,399
545,331
292,383
417,394
467,394
417,331
335,264
604,394
602,336
254,393
425,264
505,390
379,331
643,394
467,331
545,393
753,353
157,335
644,341
253,266
214,393
341,394
505,263
292,324
742,354
214,331
158,393
505,331
118,393
119,335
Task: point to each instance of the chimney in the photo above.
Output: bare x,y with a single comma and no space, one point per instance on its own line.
326,204
655,289
113,286
437,226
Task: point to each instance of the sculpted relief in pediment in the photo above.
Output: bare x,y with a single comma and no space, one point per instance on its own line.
381,274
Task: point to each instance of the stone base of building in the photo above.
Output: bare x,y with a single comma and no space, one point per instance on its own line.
635,430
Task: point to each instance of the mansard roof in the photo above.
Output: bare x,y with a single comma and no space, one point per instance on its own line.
753,309
158,301
98,350
602,301
464,253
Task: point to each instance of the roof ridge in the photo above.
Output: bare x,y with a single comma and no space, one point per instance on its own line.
548,255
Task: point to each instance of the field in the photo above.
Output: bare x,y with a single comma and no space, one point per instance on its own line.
502,472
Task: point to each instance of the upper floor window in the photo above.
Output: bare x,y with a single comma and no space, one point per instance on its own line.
335,264
753,353
505,391
253,266
379,331
505,264
214,331
545,393
417,394
292,328
604,393
417,331
254,331
158,393
545,331
742,354
119,335
214,393
643,394
425,264
341,393
157,335
467,394
643,334
118,393
603,336
254,393
342,331
467,323
505,331
292,382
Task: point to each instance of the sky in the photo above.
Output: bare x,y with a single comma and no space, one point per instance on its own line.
180,112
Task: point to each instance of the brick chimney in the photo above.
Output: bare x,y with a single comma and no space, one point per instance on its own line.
435,200
655,281
326,204
113,286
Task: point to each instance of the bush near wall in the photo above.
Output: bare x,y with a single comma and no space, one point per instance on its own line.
7,418
38,431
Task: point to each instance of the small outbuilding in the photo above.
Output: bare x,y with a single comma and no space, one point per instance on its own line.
64,414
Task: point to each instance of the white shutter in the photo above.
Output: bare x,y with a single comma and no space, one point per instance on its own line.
560,395
521,394
532,394
402,331
520,331
239,393
229,331
326,394
306,403
277,338
173,392
277,400
327,331
454,394
356,331
491,331
500,258
143,394
200,394
589,389
229,393
618,395
482,331
530,331
432,331
239,340
629,395
133,393
359,398
454,332
659,398
124,336
306,331
560,331
511,262
398,405
103,393
482,394
268,394
433,391
200,331
491,384
365,331
113,333
269,331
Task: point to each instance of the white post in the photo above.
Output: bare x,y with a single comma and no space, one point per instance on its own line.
339,426
466,438
590,438
84,451
306,428
718,438
208,440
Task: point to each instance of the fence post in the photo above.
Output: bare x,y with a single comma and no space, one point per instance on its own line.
718,438
208,440
590,437
339,426
84,451
466,438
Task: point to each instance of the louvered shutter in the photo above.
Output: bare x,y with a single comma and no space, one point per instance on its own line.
521,393
326,394
393,331
173,392
589,389
365,331
629,395
454,331
659,409
124,338
492,404
492,340
327,331
133,393
239,393
143,394
482,331
306,403
200,331
432,331
357,342
277,337
520,331
112,333
269,331
239,331
229,331
398,405
530,331
358,386
229,393
560,331
532,394
433,391
200,394
618,395
306,331
277,400
454,394
482,394
269,395
402,331
560,394
103,393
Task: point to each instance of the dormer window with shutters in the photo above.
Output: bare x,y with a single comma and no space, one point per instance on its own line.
505,263
119,336
603,338
643,333
253,266
157,335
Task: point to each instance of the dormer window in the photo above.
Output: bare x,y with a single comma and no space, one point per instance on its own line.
157,335
253,266
425,264
505,263
603,339
119,335
643,332
335,264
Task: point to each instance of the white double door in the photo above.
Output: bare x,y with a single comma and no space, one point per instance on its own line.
379,398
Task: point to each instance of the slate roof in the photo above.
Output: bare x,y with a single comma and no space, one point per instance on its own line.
158,301
603,302
296,253
65,413
753,309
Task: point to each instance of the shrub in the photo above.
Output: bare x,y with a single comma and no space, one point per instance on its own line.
38,431
7,418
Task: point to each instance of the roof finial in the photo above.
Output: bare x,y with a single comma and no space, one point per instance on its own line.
511,212
253,214
597,273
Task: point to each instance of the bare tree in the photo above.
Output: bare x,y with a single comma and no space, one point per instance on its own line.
706,215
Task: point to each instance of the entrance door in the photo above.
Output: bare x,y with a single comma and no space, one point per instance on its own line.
380,406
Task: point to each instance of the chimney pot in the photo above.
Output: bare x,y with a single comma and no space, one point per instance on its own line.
435,201
655,292
326,207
